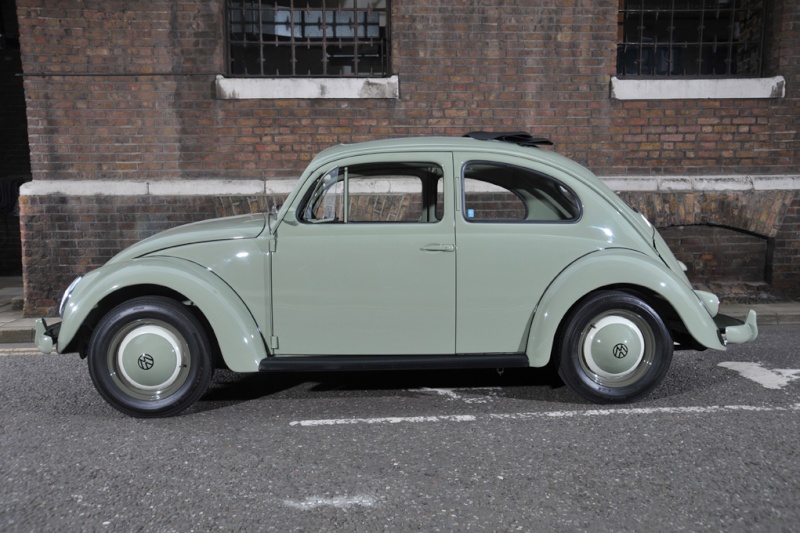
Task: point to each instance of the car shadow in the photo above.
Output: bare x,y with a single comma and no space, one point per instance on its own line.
689,375
229,388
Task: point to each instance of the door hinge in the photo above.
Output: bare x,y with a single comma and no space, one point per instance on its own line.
272,244
273,342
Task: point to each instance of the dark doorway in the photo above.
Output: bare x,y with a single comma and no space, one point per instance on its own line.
15,163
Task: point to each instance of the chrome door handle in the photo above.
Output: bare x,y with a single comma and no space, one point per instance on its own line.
439,248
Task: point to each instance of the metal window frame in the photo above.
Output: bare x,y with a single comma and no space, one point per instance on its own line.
671,7
294,43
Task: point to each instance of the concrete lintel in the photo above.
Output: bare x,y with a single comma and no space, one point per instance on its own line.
702,89
306,88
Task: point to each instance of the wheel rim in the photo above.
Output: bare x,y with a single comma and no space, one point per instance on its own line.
149,360
617,348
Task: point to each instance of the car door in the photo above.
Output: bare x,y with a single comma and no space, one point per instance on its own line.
515,230
364,261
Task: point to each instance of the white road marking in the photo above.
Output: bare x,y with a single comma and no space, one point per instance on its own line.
340,502
6,352
451,394
549,414
384,420
770,379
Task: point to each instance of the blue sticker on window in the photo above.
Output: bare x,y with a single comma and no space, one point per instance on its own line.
470,213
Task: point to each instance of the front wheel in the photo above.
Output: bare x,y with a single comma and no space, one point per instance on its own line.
150,357
614,348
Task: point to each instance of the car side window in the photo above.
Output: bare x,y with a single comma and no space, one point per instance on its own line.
496,192
325,201
376,193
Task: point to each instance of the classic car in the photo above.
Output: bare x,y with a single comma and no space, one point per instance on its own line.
482,251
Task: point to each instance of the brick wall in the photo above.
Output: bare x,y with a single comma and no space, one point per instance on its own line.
731,236
67,236
537,66
126,93
720,256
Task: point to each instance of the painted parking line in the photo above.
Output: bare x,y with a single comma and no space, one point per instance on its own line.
699,410
339,502
466,395
6,352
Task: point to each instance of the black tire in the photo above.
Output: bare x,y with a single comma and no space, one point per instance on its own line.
613,348
150,357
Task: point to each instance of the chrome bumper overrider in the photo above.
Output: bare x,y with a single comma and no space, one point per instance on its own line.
46,336
734,331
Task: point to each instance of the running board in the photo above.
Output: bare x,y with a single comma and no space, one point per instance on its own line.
351,363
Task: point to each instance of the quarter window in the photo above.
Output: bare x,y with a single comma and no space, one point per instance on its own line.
721,38
495,192
272,38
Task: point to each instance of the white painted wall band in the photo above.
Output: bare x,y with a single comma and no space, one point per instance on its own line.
225,187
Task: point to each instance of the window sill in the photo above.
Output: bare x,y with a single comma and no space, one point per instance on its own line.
306,88
726,88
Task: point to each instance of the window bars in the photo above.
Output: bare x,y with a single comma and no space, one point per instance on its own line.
275,38
690,38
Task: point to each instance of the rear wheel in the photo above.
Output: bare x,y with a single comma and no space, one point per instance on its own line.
150,357
614,348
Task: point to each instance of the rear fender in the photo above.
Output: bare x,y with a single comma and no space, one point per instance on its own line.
233,325
608,268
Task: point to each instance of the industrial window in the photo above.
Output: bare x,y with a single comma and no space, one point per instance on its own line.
313,38
690,38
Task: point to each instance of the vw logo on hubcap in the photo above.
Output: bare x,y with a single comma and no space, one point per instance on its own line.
146,362
620,351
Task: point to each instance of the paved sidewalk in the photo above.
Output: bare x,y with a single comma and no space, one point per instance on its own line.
14,328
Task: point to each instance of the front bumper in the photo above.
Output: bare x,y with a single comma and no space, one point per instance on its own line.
46,336
734,331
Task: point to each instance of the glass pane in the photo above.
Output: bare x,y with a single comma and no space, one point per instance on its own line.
500,193
245,59
385,193
326,200
718,26
278,60
311,61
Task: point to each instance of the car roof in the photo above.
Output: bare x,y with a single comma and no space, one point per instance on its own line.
450,144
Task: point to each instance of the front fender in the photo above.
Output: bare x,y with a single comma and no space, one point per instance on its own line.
233,325
608,268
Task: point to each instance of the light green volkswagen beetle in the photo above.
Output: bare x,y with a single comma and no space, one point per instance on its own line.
418,253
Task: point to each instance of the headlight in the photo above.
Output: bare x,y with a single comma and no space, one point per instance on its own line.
66,296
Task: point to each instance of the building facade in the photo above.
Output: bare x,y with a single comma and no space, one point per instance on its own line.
145,115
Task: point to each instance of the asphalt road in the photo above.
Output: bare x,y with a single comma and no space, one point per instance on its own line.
715,448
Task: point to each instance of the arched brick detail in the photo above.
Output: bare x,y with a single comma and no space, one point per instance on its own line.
757,212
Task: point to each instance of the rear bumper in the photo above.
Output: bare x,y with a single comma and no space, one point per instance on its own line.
46,336
734,331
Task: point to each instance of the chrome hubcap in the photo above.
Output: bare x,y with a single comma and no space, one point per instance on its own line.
149,359
616,348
